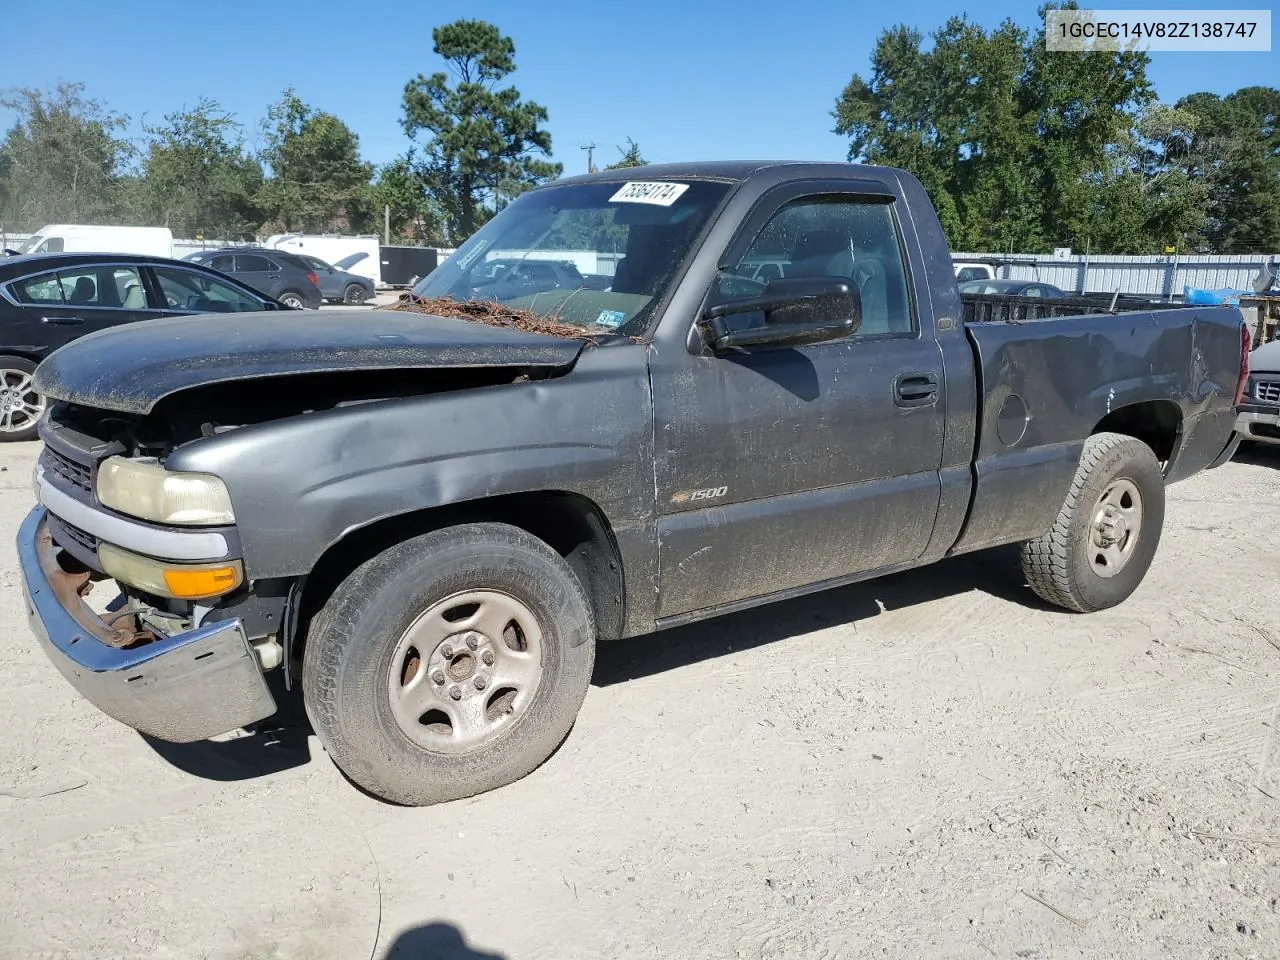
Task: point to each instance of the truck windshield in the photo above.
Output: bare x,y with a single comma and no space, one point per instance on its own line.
595,255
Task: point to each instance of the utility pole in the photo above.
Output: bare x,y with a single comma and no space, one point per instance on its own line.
386,225
591,149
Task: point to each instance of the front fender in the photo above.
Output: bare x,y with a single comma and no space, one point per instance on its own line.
299,485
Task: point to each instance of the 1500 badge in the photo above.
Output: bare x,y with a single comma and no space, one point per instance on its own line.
709,493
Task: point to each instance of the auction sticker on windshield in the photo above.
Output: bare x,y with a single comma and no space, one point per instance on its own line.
638,191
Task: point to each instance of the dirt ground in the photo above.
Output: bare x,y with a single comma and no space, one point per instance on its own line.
931,765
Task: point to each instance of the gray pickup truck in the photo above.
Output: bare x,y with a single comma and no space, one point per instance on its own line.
428,523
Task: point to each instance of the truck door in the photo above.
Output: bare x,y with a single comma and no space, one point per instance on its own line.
779,467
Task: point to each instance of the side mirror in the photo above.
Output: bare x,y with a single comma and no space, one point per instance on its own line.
797,311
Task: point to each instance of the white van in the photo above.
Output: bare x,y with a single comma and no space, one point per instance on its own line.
967,270
85,238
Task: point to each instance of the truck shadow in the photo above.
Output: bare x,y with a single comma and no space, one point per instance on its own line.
994,572
280,742
1258,454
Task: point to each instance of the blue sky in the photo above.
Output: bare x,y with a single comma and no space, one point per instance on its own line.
687,80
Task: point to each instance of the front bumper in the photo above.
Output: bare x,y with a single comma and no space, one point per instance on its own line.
190,686
1259,421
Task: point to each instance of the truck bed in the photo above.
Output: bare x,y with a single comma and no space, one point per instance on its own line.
1046,384
1000,308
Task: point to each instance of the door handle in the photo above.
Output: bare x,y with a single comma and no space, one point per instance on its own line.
62,321
915,389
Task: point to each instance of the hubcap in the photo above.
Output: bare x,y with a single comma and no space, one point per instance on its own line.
20,406
465,670
1117,522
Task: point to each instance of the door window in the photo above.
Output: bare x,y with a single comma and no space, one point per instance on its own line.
251,264
854,238
111,287
190,291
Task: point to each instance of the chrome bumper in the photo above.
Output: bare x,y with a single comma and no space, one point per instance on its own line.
1247,420
187,687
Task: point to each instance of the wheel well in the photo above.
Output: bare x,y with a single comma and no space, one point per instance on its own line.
571,525
21,355
1155,422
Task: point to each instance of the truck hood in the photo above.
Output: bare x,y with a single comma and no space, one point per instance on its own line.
131,368
1266,359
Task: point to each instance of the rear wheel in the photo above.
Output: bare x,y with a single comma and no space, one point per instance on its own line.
1105,537
450,664
293,300
20,405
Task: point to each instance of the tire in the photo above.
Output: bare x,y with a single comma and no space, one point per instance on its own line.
358,674
293,300
1093,557
20,407
354,294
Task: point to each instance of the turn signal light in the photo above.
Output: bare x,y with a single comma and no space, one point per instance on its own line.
198,584
164,578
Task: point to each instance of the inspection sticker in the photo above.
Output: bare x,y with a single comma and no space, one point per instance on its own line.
611,319
638,191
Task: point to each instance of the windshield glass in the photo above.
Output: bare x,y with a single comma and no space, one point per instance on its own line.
597,256
31,243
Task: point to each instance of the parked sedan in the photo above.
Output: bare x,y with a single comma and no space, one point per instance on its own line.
1012,288
336,285
48,300
282,276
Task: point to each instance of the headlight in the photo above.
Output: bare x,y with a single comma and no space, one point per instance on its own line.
185,581
147,490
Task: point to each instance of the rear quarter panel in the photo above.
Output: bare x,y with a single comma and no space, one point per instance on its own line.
1044,386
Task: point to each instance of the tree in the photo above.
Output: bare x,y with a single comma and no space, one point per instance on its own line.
1015,146
316,170
65,158
1235,147
198,179
1081,105
482,140
630,157
414,213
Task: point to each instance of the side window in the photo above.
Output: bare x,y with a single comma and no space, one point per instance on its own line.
251,264
850,237
224,263
1033,292
42,289
967,274
190,291
110,287
52,245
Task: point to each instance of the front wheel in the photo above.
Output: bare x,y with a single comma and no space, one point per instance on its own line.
354,294
1105,537
20,405
450,664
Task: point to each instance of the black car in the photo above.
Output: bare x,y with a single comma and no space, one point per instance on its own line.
507,278
1013,288
284,276
47,300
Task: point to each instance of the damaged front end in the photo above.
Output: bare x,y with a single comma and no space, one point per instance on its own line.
180,653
